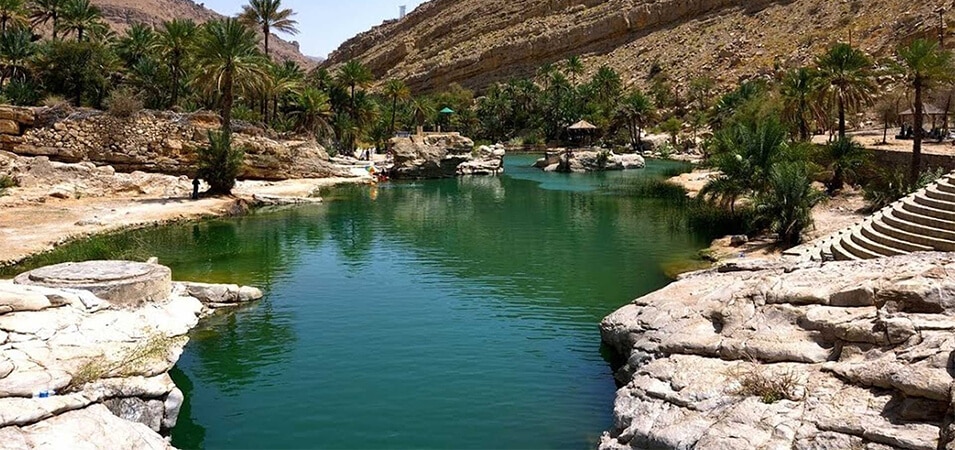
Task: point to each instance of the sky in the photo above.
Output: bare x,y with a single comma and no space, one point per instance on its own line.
325,24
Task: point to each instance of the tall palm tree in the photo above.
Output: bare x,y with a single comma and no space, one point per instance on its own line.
846,80
80,16
268,15
847,157
797,91
313,110
44,11
175,42
635,110
226,54
396,90
354,75
139,42
922,65
12,13
575,67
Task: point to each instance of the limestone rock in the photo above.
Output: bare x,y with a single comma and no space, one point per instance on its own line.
581,161
94,427
431,155
122,283
863,350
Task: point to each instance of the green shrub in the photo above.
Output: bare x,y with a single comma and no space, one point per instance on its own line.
603,157
768,387
787,203
892,184
5,183
245,114
219,163
123,103
22,93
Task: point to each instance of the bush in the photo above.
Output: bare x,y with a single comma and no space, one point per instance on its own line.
5,183
123,102
22,93
603,157
770,388
219,163
893,184
54,101
245,114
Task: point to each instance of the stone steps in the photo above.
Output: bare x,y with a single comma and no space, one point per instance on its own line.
922,221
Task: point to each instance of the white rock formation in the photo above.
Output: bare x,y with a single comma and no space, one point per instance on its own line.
860,352
79,371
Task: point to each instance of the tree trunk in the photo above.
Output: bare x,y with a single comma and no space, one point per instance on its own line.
79,34
917,138
227,101
265,31
54,25
174,68
842,117
885,132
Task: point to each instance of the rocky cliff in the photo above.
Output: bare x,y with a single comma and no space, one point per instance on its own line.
152,141
844,355
477,42
120,14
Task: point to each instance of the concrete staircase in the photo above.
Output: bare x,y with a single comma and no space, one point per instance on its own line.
922,221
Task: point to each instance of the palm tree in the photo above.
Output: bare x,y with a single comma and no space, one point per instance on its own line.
845,80
43,11
397,91
313,110
636,110
226,54
922,65
797,90
268,15
12,13
139,42
847,156
16,49
354,75
174,42
80,16
575,67
787,203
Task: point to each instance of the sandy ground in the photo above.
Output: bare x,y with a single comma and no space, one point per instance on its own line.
30,228
873,139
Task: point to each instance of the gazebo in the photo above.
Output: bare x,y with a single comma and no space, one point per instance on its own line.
583,128
446,116
932,111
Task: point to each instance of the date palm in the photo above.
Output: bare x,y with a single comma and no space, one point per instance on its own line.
575,67
16,49
80,16
312,110
139,42
45,11
175,42
797,90
635,111
922,65
268,15
12,13
354,75
226,55
396,90
845,75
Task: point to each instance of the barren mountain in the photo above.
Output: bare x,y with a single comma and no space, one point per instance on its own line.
122,13
477,42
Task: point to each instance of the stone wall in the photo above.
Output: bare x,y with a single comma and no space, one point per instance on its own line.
152,141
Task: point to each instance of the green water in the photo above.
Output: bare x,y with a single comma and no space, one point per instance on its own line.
439,314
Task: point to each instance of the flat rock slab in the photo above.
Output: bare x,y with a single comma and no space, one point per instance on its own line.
121,283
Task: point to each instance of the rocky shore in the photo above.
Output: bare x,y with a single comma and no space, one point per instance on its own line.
757,354
85,351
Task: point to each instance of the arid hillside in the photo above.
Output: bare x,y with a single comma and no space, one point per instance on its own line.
122,13
477,42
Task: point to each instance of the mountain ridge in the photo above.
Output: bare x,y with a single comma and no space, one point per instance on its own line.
478,42
120,14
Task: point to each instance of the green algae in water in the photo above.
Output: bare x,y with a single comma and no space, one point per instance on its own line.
441,314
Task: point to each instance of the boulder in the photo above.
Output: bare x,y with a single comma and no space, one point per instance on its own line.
442,155
581,161
122,283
